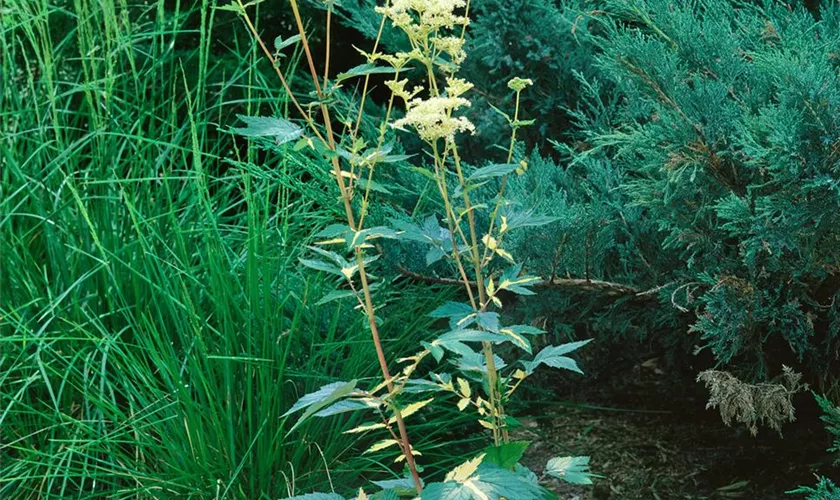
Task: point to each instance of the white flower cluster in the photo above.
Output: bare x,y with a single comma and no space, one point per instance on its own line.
399,90
453,46
424,16
424,21
432,118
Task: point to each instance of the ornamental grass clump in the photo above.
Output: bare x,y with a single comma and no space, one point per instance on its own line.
468,235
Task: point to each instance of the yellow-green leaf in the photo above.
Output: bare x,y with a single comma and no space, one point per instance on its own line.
490,242
464,388
486,424
333,241
463,472
381,445
365,428
348,272
401,458
415,407
462,404
505,254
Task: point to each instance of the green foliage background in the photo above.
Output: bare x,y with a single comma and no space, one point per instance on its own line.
725,126
154,323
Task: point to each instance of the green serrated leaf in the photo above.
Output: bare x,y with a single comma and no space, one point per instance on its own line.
470,186
318,496
524,329
402,487
280,44
380,155
394,158
467,335
417,386
333,231
425,172
364,183
262,126
512,280
320,265
564,348
336,258
489,480
522,123
358,238
436,350
563,362
491,171
517,340
512,422
318,400
499,111
335,295
381,445
506,455
574,470
527,218
347,405
475,362
456,347
364,69
231,7
434,254
386,495
320,395
553,356
301,144
410,231
452,310
488,320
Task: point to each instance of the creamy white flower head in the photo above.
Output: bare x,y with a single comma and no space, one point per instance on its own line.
400,59
455,87
453,46
432,118
518,84
400,19
421,17
398,88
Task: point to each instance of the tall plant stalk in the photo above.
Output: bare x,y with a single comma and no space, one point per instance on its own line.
346,195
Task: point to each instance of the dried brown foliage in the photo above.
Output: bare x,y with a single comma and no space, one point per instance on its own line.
751,404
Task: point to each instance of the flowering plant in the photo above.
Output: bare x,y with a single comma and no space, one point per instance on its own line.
480,379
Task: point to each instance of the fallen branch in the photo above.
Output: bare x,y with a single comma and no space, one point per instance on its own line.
605,287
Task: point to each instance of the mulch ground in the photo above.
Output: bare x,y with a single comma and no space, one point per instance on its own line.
650,437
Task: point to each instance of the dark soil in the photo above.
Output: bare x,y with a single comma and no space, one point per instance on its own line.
649,435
